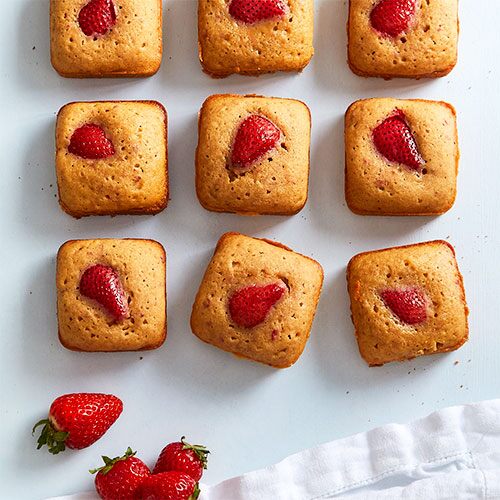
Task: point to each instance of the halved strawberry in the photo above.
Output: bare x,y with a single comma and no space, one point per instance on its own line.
78,420
394,140
90,142
409,304
97,17
255,137
393,17
250,306
102,284
253,11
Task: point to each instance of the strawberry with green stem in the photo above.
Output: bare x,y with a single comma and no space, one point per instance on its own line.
78,420
183,457
120,477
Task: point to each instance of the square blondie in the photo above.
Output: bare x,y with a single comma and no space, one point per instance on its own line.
112,158
106,38
408,39
401,157
257,300
275,179
136,269
237,36
407,301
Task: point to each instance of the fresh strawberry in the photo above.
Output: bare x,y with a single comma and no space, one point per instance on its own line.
394,140
255,137
250,306
78,420
90,142
393,17
102,284
97,17
183,457
171,485
120,477
253,11
408,304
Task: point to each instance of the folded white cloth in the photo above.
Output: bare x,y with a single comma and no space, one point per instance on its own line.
451,454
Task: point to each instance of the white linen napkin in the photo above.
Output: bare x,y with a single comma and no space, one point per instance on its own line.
451,454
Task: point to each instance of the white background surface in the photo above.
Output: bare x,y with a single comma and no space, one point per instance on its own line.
249,415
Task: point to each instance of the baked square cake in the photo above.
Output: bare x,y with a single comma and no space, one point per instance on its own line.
253,155
407,301
111,295
401,157
106,38
252,37
402,38
257,300
111,158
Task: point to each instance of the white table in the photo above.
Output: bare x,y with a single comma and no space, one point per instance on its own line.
249,415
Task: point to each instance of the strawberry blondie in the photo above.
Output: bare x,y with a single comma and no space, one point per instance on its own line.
257,300
401,157
402,38
407,301
253,155
105,38
112,158
252,37
111,295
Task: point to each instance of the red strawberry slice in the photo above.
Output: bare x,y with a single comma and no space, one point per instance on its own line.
120,477
394,140
393,17
102,284
78,420
255,137
90,142
183,457
408,304
250,306
253,11
171,485
97,17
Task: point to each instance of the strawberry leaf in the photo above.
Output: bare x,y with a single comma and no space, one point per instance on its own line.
54,439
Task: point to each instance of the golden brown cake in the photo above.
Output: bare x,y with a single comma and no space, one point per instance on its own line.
375,185
234,42
228,179
257,300
85,324
111,158
407,301
106,38
423,47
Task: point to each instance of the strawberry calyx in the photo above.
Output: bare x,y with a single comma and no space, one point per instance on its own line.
109,462
200,451
196,492
52,437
